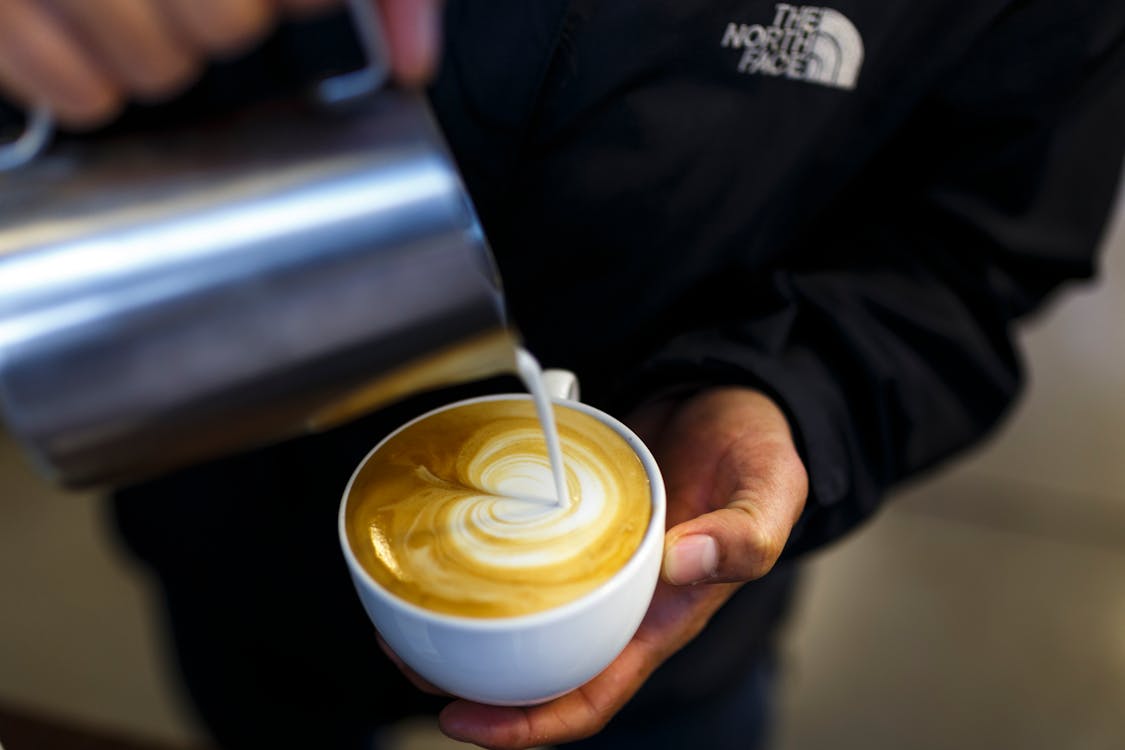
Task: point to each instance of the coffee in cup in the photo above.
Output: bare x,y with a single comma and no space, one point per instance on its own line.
458,513
475,573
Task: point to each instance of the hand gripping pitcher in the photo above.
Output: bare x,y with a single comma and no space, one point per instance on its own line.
175,296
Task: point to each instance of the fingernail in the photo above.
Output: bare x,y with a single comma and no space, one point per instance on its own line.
691,559
419,57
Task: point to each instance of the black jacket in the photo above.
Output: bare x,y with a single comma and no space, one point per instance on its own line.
669,206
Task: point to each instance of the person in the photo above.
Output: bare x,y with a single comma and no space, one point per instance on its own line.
790,242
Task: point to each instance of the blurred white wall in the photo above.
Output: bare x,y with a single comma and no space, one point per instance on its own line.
78,634
985,607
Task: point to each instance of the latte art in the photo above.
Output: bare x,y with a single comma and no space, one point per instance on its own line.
457,513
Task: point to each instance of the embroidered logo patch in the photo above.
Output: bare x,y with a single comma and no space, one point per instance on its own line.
804,42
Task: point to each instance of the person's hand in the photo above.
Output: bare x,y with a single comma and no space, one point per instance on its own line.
736,486
84,59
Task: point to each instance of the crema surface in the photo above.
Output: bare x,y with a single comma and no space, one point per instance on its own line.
457,513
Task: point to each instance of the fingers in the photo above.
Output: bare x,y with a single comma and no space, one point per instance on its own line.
572,717
84,59
218,27
41,62
414,33
131,43
742,541
675,616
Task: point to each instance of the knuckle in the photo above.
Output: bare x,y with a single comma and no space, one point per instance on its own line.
156,81
764,550
90,113
591,721
759,545
238,26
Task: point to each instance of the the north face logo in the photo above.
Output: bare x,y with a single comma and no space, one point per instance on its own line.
806,42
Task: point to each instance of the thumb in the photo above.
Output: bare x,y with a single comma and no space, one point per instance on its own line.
722,546
740,542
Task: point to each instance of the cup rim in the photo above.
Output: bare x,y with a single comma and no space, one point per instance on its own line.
654,532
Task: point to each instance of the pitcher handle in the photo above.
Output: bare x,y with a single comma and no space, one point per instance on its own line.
35,137
377,66
561,385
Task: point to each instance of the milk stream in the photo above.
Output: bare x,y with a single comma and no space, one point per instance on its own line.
532,375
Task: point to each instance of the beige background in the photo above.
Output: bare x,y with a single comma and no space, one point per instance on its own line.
985,608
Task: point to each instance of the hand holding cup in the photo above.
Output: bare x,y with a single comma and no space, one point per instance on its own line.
736,486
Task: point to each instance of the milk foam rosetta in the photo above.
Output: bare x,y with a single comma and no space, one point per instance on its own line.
457,513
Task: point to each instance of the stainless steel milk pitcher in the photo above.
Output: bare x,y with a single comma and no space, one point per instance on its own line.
184,294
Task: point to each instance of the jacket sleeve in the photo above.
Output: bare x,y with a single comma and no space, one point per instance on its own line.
888,338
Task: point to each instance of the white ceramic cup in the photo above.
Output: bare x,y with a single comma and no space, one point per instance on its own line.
530,658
